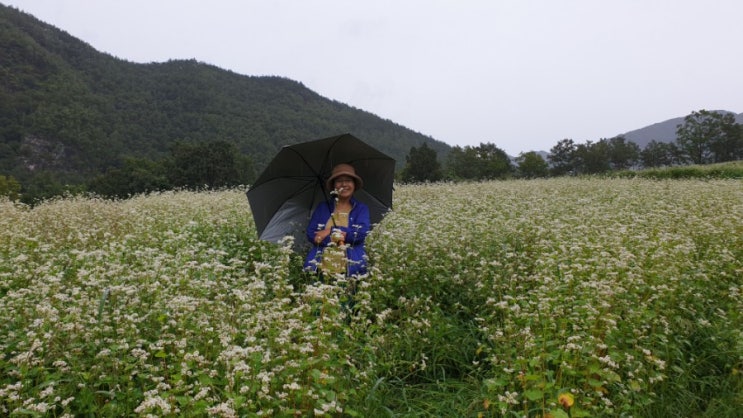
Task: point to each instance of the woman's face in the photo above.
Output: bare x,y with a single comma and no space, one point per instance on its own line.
345,186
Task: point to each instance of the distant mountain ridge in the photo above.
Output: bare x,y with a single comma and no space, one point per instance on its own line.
663,131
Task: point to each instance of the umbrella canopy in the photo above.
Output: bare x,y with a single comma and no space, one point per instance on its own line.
286,193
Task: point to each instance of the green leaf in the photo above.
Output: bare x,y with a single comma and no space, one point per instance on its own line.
238,401
559,413
534,394
677,369
494,384
595,383
635,385
200,405
578,413
107,393
22,411
205,380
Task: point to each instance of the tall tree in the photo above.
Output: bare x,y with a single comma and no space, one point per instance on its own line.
494,161
137,175
532,165
562,157
462,163
209,164
422,165
659,154
486,161
592,157
9,187
730,147
622,154
708,137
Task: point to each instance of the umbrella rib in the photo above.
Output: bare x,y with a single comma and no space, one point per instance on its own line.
306,163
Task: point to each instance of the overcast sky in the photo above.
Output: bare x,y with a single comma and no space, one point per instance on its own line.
521,74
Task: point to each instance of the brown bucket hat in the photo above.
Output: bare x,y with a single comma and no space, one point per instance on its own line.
344,170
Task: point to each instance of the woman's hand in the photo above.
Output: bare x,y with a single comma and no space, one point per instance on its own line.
338,236
321,235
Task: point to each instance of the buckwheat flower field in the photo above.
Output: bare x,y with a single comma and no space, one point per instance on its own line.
550,298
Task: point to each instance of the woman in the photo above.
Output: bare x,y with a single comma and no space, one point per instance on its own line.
338,228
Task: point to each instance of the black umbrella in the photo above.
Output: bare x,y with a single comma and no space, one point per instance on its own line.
293,184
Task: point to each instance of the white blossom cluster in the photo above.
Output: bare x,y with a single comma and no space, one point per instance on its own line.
165,304
574,284
169,305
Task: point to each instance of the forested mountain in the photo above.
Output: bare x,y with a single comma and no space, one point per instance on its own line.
71,112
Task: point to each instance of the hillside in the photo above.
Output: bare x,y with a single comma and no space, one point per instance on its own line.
662,131
69,111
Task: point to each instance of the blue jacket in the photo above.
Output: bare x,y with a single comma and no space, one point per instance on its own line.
358,228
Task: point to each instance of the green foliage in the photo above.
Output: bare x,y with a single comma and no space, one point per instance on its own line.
483,162
660,154
728,170
422,165
592,158
46,185
605,155
134,177
622,154
9,188
191,166
730,147
710,137
212,165
704,138
532,165
562,157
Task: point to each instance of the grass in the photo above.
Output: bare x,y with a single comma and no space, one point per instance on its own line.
484,299
727,170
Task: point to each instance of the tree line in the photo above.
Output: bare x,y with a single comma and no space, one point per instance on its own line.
190,166
204,165
705,137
